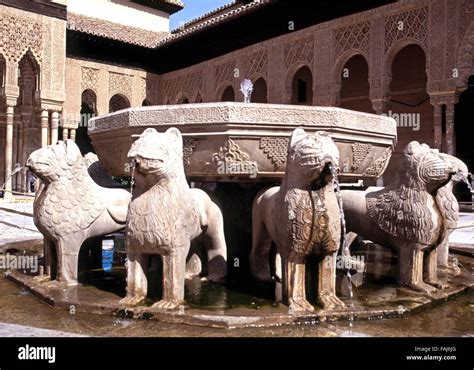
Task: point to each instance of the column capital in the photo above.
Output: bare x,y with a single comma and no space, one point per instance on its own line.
72,134
450,97
51,105
10,100
65,134
44,118
10,110
54,119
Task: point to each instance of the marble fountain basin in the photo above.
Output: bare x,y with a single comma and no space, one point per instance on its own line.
230,141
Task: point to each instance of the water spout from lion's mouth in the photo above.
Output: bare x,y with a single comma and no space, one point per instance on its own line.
467,179
323,177
332,169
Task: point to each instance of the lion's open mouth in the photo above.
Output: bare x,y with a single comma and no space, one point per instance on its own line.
151,166
310,158
39,167
310,161
324,177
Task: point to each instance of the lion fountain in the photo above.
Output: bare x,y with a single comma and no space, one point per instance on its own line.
303,218
413,215
70,207
164,216
166,220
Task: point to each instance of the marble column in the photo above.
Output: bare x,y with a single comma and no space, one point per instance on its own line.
15,158
450,139
44,128
438,118
21,154
8,152
54,127
65,133
72,134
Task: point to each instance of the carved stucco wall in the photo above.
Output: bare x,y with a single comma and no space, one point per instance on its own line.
44,37
438,26
185,86
105,80
465,54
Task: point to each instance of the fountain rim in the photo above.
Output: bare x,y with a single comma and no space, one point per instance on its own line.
229,115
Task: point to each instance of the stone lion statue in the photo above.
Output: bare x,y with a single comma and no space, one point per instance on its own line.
302,217
70,207
411,216
164,216
449,209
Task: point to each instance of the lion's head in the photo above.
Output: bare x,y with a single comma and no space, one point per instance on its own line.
312,156
159,155
54,161
459,168
424,167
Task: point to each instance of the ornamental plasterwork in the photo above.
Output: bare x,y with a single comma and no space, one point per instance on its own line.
19,35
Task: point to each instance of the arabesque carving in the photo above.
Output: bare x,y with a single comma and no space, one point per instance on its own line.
410,24
276,149
301,50
230,151
19,35
189,144
360,151
355,36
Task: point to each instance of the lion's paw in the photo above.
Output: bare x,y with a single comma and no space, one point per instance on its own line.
452,270
131,300
330,302
300,305
422,287
41,278
438,284
167,305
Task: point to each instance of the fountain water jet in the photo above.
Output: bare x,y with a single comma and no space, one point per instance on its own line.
346,255
17,169
246,88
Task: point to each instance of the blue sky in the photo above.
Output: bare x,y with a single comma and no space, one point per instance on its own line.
195,8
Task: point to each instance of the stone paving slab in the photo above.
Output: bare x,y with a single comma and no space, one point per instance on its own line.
11,234
463,236
14,330
20,208
19,222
